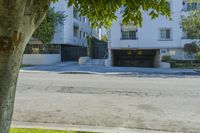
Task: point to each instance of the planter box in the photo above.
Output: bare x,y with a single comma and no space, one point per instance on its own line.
165,65
91,62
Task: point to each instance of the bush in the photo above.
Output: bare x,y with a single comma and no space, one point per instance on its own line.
167,58
197,57
191,48
185,64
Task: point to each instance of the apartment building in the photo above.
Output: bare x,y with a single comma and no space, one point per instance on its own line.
144,46
72,35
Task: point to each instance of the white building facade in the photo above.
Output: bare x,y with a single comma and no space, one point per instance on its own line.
72,35
145,46
69,42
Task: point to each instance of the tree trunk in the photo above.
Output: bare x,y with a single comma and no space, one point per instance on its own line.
9,69
18,20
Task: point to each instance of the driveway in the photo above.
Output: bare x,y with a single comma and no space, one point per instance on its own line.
169,104
74,67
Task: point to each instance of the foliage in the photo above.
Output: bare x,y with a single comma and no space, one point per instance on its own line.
191,24
191,48
46,30
185,64
26,65
197,57
40,131
103,12
104,38
166,58
90,46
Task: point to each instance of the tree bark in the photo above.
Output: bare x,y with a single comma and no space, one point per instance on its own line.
9,68
18,20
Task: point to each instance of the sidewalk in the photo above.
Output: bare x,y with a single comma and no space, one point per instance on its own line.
74,67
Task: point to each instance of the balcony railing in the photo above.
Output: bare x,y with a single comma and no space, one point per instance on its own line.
42,49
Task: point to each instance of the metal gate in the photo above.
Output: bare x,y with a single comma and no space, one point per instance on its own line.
100,50
72,53
134,58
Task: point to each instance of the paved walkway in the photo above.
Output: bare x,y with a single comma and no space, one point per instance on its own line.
74,67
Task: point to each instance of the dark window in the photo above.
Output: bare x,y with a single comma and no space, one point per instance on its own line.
129,35
165,34
76,31
168,34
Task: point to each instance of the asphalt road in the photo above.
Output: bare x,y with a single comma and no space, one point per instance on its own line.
149,103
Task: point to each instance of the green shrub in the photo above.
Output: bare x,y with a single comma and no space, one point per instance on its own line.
191,48
197,57
167,58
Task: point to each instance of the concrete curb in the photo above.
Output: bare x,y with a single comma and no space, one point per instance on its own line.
82,128
32,71
195,73
198,71
130,73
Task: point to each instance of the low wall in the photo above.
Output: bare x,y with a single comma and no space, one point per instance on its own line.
91,62
157,59
41,59
165,65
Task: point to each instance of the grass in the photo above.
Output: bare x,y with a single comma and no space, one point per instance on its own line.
26,65
21,130
186,65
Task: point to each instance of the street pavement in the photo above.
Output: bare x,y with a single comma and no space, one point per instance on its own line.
74,67
121,102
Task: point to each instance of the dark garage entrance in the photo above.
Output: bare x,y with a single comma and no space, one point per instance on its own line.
134,58
72,53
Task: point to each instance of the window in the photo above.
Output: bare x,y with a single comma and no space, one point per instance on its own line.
128,32
76,31
84,34
163,51
129,35
81,34
165,34
84,19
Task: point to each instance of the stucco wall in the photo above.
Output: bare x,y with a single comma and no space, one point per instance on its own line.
157,59
149,33
41,59
65,33
148,36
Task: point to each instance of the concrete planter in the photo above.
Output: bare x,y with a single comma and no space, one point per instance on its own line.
108,63
165,65
91,62
41,59
83,60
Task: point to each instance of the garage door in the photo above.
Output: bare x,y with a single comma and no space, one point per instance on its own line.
134,58
72,53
